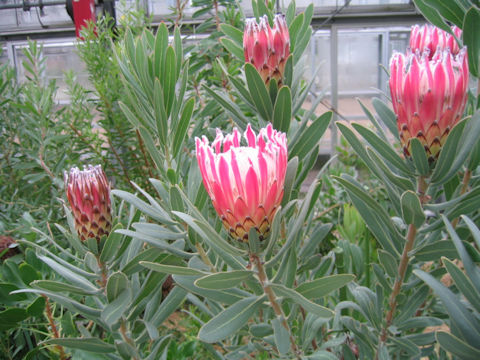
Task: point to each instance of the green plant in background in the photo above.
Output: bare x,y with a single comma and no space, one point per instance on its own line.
122,150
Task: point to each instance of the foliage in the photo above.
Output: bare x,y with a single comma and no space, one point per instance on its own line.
354,248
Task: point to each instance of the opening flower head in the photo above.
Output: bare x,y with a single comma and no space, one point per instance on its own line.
245,183
432,39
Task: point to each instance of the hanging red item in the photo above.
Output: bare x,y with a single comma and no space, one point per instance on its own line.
83,11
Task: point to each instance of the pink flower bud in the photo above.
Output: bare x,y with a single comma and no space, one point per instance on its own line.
430,38
245,183
266,48
428,96
88,193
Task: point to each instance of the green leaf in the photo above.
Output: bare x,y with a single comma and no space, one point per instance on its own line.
155,212
473,229
68,274
292,167
471,39
310,136
112,244
470,267
258,92
376,218
116,284
57,286
469,139
448,9
389,177
115,309
433,252
373,120
299,299
461,318
170,79
171,303
230,320
319,288
288,72
183,124
225,296
94,345
457,346
388,262
160,112
37,307
419,156
412,209
463,283
212,237
294,29
171,269
382,148
358,146
432,15
223,280
282,336
157,242
177,45
234,33
282,113
449,152
27,273
11,317
70,304
474,160
233,48
161,43
150,254
230,106
387,116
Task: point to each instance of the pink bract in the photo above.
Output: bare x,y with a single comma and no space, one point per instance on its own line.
430,38
267,48
245,183
88,192
428,96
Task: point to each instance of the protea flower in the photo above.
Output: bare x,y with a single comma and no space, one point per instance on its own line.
266,48
428,96
88,193
432,38
245,183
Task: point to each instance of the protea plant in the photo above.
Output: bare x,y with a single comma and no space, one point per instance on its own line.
245,183
428,96
267,48
88,193
431,38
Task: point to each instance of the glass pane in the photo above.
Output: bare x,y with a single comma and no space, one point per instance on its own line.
59,59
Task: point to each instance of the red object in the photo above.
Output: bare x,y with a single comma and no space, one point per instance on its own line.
83,11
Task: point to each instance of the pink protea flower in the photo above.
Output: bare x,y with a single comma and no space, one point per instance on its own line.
432,38
245,183
88,193
266,48
428,96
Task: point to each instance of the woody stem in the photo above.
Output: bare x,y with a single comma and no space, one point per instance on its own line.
262,277
402,268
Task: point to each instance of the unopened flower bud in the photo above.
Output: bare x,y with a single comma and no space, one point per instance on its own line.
266,48
88,193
